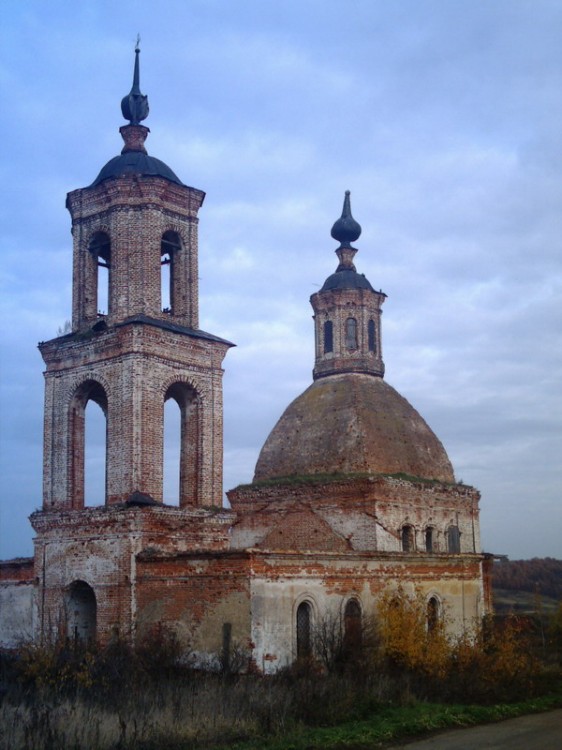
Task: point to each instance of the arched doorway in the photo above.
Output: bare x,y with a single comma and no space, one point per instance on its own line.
81,612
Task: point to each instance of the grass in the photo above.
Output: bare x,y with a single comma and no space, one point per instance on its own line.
391,724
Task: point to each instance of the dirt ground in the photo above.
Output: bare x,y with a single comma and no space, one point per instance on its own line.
535,732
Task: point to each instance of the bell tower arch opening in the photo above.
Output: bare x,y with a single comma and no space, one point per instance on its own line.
88,391
170,246
100,250
190,441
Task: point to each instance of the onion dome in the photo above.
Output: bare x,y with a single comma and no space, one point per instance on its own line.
134,159
352,423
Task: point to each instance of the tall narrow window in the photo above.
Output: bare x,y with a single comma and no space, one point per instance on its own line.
100,248
429,539
407,539
304,623
432,614
352,632
351,333
169,248
454,540
328,337
372,336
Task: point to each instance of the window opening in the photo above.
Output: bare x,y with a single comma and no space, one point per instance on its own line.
172,442
169,247
454,539
100,248
328,337
429,539
432,614
371,336
352,632
351,333
407,539
304,641
94,455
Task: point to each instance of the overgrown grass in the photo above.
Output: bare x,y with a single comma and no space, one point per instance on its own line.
394,723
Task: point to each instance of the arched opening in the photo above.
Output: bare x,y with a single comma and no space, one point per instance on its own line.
328,337
430,539
190,447
453,540
169,247
81,612
372,336
304,630
432,614
407,537
95,453
100,248
352,630
172,444
88,391
351,334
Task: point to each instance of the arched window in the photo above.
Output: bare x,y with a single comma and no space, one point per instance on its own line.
100,248
352,631
454,540
88,391
407,538
351,333
429,539
304,630
81,612
170,246
190,447
372,336
432,614
328,337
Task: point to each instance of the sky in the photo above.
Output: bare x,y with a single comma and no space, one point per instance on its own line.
444,120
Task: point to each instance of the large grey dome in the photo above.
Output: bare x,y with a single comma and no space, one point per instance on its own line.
352,423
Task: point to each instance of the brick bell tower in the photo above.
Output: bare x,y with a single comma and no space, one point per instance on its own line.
135,343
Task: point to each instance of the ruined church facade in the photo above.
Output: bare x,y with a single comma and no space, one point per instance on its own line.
353,494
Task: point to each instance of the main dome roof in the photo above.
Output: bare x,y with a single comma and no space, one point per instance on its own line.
352,423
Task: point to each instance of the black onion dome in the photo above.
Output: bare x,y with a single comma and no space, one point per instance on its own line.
136,163
346,229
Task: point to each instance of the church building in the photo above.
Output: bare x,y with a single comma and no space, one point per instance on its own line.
353,494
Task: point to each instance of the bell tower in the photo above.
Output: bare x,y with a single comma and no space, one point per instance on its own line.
135,339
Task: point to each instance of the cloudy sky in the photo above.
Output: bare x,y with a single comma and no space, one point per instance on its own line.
443,118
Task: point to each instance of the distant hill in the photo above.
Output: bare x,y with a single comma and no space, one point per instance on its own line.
523,586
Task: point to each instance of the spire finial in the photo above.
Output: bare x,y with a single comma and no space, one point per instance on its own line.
346,230
134,106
